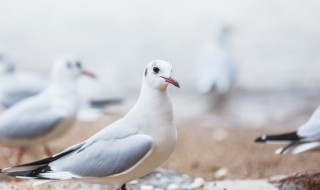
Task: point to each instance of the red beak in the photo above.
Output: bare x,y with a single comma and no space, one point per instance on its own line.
172,81
89,74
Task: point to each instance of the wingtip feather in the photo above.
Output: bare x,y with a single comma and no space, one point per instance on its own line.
261,139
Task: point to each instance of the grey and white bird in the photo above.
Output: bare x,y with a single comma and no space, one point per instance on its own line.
17,85
46,116
217,69
305,138
123,151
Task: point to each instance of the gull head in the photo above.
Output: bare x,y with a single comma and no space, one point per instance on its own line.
6,62
221,31
70,68
158,75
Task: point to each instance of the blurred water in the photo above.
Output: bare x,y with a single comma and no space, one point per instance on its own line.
276,42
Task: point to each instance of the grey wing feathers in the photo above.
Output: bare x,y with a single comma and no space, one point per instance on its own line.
30,168
29,124
12,98
105,158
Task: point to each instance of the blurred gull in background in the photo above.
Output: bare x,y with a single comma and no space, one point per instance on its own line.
16,85
217,71
307,137
48,115
125,150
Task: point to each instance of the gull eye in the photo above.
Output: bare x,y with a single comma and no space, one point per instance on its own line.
78,64
155,70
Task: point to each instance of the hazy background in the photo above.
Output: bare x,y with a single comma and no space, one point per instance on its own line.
276,44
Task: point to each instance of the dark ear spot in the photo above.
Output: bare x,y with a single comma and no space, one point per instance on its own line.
69,65
146,72
11,68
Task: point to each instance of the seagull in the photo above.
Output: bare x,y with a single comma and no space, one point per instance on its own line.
46,116
305,138
127,149
17,85
217,71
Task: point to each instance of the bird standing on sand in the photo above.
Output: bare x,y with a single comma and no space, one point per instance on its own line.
307,137
127,149
48,115
217,71
16,85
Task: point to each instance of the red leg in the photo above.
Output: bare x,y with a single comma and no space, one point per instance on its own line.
123,187
20,153
47,150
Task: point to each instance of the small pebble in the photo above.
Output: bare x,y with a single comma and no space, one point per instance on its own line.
219,134
134,182
197,183
173,187
221,173
146,187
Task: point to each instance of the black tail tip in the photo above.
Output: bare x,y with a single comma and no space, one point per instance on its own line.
261,139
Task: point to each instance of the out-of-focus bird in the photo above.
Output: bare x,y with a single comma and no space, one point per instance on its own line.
16,85
217,63
307,137
46,116
125,150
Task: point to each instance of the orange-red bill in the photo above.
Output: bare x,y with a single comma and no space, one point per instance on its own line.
88,73
172,81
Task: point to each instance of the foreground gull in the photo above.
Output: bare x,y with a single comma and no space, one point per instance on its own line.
16,85
307,137
46,116
125,150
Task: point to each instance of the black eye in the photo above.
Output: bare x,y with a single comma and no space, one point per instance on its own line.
78,64
155,70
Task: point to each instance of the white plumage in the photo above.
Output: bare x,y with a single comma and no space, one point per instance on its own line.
217,71
48,115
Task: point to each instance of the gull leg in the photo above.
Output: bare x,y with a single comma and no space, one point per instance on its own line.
47,150
123,187
20,153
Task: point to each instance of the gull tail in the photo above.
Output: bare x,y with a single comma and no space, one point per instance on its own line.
106,102
33,165
35,171
297,148
282,138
